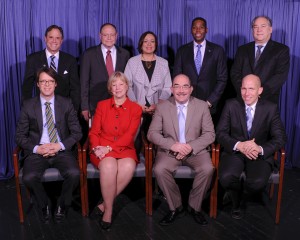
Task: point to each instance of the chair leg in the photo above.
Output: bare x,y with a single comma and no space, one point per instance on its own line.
19,200
82,196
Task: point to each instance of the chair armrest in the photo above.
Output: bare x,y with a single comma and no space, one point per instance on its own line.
218,148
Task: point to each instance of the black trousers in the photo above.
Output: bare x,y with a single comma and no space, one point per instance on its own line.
34,168
257,173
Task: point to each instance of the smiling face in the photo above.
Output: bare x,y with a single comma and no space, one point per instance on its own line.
108,36
53,40
261,30
181,89
199,31
251,89
148,46
119,88
47,85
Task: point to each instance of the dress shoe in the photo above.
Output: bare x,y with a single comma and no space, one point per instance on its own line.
171,216
45,214
105,225
60,214
237,213
198,216
97,213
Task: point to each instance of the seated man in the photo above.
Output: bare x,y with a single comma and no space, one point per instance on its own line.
182,129
47,130
250,132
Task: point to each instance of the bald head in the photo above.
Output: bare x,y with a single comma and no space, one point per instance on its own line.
251,89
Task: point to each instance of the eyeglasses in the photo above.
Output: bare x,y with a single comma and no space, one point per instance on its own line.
108,35
44,82
184,87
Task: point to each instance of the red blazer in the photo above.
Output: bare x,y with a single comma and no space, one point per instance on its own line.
115,127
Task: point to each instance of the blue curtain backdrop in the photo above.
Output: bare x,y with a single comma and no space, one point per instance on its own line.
24,22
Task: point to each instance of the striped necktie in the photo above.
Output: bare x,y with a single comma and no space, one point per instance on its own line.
257,55
198,59
249,120
52,63
50,124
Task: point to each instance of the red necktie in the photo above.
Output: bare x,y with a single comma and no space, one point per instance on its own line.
109,63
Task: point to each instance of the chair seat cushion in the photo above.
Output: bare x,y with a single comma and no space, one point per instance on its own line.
50,175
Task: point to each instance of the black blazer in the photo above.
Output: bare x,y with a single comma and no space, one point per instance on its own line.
267,128
272,68
68,84
30,125
209,85
94,76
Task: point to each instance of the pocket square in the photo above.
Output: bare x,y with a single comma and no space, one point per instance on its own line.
65,72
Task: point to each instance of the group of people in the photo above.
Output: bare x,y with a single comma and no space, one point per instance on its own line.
182,125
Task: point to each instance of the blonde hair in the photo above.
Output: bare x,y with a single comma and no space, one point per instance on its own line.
114,77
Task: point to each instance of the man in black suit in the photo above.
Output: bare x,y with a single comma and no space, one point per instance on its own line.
265,58
250,132
65,65
93,69
47,130
210,78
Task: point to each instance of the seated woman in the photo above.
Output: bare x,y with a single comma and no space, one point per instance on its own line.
111,137
149,77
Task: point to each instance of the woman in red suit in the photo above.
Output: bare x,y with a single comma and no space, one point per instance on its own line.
111,137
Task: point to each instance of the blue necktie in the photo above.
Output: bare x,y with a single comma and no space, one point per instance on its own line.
52,63
249,120
198,59
181,122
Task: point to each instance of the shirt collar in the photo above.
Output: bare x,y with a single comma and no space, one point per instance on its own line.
43,101
124,105
203,44
253,106
48,54
112,50
185,104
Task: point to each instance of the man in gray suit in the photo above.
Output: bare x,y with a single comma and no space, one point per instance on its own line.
182,129
94,70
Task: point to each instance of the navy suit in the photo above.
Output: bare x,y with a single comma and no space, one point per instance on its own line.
209,85
94,76
68,84
28,135
272,68
268,132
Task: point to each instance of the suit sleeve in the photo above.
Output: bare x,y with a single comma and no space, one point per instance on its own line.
84,80
74,84
276,80
29,79
221,80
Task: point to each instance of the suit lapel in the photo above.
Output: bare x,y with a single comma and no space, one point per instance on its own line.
43,58
38,114
251,54
259,111
190,113
266,52
207,56
243,120
58,113
174,117
191,57
61,64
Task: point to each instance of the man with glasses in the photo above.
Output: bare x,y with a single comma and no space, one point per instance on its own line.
97,64
47,131
267,59
64,64
182,129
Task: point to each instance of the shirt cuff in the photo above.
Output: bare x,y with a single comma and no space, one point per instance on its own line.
62,146
35,148
262,150
235,146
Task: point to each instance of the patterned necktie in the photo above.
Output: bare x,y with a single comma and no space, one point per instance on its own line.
50,124
198,59
249,120
52,63
257,55
109,63
181,122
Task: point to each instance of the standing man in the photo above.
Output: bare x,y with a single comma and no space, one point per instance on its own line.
97,64
250,132
204,63
47,130
64,64
182,129
267,59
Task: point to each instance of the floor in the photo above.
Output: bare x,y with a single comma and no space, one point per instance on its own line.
131,222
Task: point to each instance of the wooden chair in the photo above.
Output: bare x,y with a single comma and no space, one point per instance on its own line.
182,172
276,178
50,175
90,172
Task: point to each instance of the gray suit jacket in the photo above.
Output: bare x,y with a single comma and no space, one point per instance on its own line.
199,129
94,76
30,125
140,87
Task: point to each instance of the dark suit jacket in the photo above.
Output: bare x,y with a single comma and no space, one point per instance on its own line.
267,128
30,125
272,68
94,76
68,84
211,82
199,128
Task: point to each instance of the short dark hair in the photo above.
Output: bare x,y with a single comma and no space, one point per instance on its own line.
142,38
201,19
48,71
50,28
108,24
262,16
